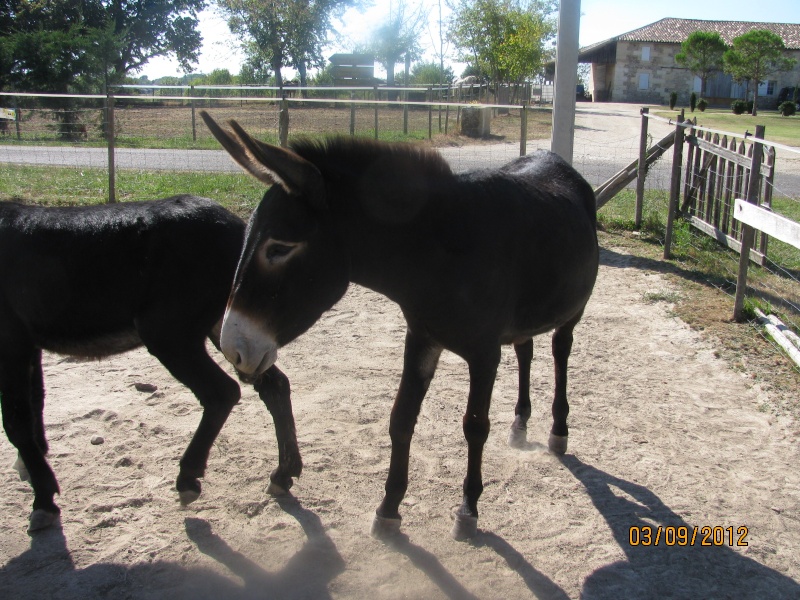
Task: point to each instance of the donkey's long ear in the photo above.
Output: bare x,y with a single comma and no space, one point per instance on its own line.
269,164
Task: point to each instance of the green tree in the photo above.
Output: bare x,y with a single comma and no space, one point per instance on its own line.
430,73
754,57
505,39
284,33
68,45
701,53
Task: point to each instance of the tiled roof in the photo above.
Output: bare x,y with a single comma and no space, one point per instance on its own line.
675,31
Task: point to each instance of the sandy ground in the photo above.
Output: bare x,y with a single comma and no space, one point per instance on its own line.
663,435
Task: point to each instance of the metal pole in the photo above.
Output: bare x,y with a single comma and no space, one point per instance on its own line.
748,233
642,171
569,17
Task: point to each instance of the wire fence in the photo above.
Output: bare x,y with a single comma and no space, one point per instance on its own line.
59,147
71,135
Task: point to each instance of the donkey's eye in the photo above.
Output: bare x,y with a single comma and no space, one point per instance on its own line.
276,251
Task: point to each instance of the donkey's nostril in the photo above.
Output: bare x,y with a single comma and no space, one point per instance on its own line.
238,359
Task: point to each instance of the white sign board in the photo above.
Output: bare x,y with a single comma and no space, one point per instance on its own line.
8,113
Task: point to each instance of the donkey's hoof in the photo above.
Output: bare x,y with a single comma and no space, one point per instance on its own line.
557,444
464,526
385,527
188,496
517,438
276,489
20,468
41,519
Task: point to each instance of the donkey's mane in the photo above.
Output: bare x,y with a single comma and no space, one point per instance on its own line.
338,156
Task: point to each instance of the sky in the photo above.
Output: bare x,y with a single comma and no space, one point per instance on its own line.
600,20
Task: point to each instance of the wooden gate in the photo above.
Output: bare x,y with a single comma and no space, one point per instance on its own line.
718,171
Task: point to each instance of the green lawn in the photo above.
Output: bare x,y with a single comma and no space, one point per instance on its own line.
778,129
64,186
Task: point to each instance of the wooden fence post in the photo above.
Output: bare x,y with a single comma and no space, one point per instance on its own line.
523,129
642,171
194,119
352,114
430,112
748,233
405,111
283,123
675,184
377,97
112,191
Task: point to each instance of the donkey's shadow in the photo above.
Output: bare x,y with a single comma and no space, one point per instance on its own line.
677,571
47,569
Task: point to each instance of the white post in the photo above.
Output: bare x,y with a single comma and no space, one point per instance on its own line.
569,18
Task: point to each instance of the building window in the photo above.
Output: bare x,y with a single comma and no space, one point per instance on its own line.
697,85
767,88
645,53
644,81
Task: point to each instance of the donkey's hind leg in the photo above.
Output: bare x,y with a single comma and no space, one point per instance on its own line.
274,390
190,364
22,420
562,346
517,437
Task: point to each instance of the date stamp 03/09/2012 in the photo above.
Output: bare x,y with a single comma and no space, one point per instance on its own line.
706,535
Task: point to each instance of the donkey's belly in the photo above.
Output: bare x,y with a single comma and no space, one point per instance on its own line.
97,346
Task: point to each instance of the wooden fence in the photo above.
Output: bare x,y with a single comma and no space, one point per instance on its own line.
719,170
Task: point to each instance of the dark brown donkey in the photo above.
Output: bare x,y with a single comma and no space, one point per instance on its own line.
99,280
474,261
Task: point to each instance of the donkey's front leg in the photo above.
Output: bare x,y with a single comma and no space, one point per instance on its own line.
190,364
21,402
482,373
419,365
274,390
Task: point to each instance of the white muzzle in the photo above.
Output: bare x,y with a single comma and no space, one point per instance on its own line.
246,344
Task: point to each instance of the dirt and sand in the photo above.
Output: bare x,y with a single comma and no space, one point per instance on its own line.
663,434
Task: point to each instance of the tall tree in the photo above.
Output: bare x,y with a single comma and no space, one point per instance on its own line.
701,53
504,39
70,45
397,38
755,56
284,33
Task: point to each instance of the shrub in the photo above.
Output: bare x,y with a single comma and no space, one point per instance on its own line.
693,101
702,104
787,109
673,100
738,107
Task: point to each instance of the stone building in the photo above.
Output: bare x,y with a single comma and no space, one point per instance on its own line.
639,66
